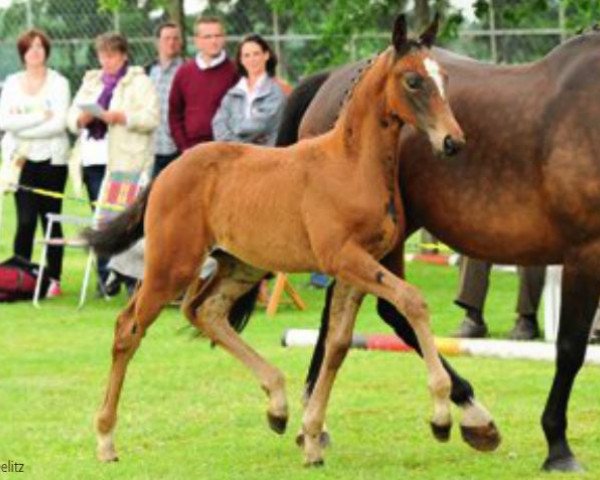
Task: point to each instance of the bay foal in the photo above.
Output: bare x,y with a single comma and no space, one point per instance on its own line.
330,203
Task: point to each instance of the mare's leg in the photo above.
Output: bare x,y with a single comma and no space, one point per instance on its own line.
580,292
345,302
207,307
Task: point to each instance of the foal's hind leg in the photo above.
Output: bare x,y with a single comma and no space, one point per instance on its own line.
208,310
162,282
132,323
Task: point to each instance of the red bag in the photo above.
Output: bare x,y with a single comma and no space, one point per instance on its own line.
18,278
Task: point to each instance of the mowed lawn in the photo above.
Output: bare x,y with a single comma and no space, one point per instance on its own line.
191,411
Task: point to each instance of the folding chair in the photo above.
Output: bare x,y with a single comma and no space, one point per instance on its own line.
119,189
282,284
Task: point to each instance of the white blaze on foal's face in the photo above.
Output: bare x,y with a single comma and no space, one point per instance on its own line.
433,70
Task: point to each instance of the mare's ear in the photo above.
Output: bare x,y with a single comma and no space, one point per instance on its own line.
399,35
428,36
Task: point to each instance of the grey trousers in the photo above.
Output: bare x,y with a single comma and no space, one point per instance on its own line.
475,280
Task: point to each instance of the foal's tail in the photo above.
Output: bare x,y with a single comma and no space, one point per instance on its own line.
120,233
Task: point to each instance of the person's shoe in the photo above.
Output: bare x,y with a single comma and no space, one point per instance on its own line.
595,337
469,328
54,289
526,328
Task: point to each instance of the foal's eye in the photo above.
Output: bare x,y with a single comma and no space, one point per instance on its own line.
413,81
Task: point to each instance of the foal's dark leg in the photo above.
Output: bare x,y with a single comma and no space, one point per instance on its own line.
578,305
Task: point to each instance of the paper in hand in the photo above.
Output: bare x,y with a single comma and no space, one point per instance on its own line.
92,108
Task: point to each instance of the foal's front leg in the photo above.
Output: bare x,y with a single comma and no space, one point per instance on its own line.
345,303
207,307
358,267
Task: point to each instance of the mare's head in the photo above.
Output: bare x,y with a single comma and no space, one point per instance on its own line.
416,89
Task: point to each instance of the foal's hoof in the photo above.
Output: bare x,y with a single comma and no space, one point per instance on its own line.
324,439
314,463
563,464
107,457
277,424
485,438
441,432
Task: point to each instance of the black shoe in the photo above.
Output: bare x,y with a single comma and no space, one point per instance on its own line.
526,328
112,286
469,328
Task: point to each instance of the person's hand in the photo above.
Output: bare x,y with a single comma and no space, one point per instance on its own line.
114,117
84,119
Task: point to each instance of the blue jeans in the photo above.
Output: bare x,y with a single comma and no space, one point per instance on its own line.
319,280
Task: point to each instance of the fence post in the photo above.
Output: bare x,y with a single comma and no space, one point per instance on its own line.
29,13
117,21
561,21
276,40
493,39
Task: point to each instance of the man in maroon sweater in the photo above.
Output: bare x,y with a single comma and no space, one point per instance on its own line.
199,85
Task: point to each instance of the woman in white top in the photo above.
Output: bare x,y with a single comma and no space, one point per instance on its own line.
120,138
33,109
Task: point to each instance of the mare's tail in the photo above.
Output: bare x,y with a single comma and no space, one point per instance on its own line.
121,232
240,312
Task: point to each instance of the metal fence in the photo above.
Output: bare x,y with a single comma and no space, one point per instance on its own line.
73,24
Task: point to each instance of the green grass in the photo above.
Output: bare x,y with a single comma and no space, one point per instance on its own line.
189,411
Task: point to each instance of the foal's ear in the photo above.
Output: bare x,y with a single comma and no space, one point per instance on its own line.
428,36
399,35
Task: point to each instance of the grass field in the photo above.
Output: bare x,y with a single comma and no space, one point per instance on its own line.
189,411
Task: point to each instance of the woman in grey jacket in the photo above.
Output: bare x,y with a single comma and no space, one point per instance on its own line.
251,110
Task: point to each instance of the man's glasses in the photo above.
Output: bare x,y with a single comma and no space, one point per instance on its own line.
210,37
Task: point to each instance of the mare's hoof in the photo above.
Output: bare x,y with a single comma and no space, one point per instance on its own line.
277,424
441,432
484,438
314,463
324,439
564,464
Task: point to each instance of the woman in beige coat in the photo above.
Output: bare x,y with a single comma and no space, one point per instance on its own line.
114,113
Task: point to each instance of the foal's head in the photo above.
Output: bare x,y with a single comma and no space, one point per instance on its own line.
415,89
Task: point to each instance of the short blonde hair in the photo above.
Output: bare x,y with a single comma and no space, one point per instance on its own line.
207,19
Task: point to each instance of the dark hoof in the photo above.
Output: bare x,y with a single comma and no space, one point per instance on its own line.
277,424
316,464
565,464
441,432
111,459
324,440
484,439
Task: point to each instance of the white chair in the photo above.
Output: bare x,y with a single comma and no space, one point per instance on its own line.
119,189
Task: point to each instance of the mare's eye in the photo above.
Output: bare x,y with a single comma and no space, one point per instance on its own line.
413,81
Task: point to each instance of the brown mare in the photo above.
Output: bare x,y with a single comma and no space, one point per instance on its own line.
330,203
525,190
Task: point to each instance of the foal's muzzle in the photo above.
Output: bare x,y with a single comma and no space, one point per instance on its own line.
452,145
